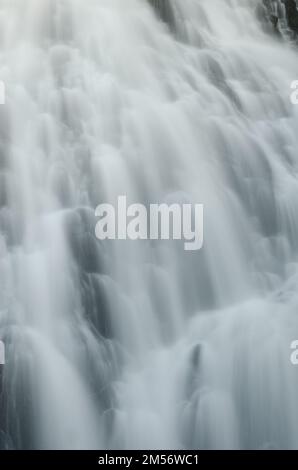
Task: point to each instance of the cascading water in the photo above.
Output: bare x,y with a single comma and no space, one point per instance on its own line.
121,344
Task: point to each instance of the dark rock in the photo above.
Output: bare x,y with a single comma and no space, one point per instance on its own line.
17,407
272,12
291,14
269,12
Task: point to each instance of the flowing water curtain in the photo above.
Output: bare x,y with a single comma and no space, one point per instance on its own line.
164,9
112,345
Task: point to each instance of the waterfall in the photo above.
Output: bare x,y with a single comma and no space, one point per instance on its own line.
140,344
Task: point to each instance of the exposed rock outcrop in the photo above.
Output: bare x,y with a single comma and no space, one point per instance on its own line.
281,16
277,16
291,14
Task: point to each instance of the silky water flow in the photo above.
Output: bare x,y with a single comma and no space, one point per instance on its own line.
141,344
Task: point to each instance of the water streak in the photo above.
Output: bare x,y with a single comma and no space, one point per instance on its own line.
140,344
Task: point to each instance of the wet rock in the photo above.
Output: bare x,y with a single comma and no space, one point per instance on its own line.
291,14
17,407
280,15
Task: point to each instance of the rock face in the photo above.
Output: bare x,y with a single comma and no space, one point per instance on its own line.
291,14
281,14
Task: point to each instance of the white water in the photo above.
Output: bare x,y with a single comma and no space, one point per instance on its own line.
142,345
